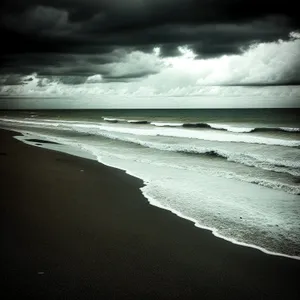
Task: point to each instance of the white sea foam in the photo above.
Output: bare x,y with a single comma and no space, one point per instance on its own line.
113,120
231,128
166,124
289,129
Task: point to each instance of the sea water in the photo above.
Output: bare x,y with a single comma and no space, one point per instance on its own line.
235,172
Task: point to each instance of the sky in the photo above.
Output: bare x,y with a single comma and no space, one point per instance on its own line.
149,53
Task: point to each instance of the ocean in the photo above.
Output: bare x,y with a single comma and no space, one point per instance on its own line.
235,172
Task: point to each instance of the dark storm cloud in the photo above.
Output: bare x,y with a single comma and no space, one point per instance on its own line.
71,37
76,68
13,79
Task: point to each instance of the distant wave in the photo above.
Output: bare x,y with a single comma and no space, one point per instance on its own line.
204,125
199,135
255,129
165,124
228,127
113,120
178,132
137,122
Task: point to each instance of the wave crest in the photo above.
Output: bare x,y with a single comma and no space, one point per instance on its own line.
204,125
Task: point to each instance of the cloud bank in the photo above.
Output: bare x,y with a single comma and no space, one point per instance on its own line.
148,48
150,74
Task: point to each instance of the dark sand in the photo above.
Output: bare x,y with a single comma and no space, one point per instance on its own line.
73,234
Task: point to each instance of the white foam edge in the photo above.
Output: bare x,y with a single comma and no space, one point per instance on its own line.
135,121
214,231
162,124
290,129
113,119
151,200
231,128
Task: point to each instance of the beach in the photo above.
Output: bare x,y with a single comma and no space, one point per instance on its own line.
72,228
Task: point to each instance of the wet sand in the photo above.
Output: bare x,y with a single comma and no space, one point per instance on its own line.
72,228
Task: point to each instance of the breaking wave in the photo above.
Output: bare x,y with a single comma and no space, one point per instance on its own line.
190,133
284,166
204,125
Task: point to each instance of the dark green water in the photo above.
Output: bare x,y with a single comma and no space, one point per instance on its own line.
277,117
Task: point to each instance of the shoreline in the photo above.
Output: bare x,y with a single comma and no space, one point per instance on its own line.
72,234
153,201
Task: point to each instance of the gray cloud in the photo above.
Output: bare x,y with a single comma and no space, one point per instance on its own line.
85,37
